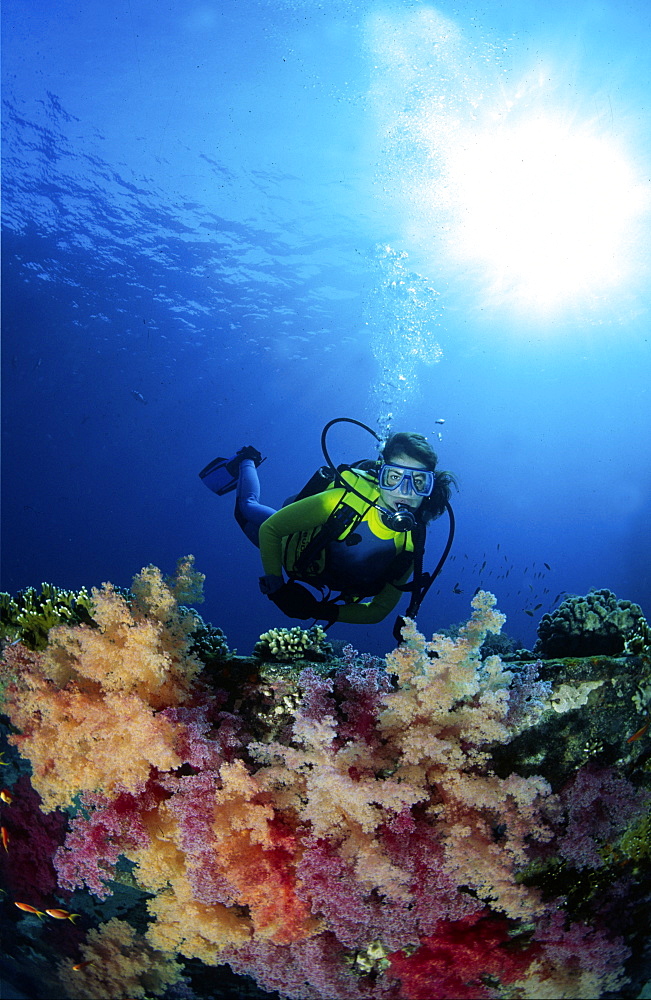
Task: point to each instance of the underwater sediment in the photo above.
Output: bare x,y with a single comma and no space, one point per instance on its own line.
443,823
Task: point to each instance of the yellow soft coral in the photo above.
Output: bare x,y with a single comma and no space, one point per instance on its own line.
336,791
183,924
436,728
448,708
139,648
118,962
87,708
78,741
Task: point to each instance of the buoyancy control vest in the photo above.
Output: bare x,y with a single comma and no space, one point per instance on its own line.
344,553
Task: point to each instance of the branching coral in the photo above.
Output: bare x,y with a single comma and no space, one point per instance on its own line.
31,614
287,644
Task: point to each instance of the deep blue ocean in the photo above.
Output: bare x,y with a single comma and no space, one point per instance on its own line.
227,222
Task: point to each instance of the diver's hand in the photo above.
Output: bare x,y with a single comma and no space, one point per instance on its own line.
295,601
397,629
269,584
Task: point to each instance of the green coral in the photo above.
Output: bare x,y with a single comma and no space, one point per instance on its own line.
634,844
29,616
284,645
639,640
372,959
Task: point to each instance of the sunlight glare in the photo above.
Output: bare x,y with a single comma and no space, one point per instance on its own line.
544,210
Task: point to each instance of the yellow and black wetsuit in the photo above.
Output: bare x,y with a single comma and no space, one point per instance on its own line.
365,559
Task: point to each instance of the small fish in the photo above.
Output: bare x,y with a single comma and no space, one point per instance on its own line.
546,565
638,735
62,915
4,762
538,607
6,796
4,836
80,965
457,589
139,396
483,566
29,909
441,420
527,612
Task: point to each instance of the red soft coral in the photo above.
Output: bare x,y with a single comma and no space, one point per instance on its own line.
460,961
27,868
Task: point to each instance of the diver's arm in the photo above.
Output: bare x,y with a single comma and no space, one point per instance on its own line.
372,612
300,516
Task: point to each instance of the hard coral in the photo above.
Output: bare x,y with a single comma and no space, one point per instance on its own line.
31,614
597,624
295,643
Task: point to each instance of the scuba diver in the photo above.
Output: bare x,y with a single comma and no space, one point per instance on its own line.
353,532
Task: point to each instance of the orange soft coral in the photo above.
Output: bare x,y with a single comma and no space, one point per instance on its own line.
258,854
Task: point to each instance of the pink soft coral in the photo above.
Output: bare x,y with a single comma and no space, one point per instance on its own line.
100,832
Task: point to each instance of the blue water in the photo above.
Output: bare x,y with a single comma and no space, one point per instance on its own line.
229,222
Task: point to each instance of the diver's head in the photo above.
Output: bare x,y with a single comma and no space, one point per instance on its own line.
406,475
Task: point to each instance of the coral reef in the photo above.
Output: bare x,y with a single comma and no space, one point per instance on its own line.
118,962
31,614
287,644
208,643
597,624
444,825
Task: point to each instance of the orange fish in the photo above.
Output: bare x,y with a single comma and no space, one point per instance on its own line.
638,734
6,796
29,909
4,836
62,915
80,965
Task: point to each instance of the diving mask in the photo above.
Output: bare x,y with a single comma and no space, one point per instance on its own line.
406,480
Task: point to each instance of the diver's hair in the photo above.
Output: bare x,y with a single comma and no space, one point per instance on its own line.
418,447
414,445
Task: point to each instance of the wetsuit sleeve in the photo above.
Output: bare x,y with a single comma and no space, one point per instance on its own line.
300,516
372,612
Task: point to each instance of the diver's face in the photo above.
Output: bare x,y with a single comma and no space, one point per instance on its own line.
403,496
